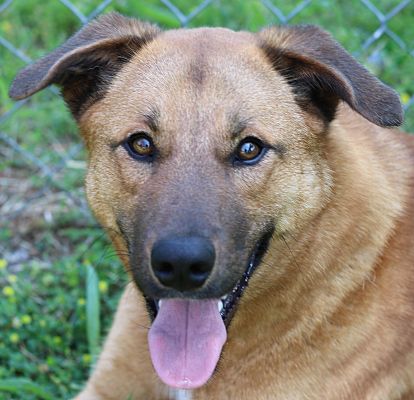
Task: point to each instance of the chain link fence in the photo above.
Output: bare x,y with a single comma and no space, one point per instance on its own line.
42,161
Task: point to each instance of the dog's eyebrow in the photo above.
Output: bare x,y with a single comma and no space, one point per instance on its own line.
237,126
151,118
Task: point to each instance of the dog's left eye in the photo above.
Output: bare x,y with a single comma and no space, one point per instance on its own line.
140,146
249,151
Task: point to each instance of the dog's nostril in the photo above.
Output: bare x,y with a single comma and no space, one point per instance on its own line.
166,268
199,269
165,272
183,263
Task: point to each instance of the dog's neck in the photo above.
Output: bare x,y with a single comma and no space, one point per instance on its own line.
180,394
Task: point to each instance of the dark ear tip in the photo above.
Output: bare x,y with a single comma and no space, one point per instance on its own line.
391,113
19,88
394,115
398,118
391,121
26,83
395,120
15,91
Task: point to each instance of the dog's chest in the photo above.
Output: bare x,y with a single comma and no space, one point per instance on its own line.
180,394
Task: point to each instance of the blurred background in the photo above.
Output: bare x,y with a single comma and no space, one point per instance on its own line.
59,278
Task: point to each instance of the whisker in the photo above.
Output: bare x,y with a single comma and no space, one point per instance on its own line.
143,326
290,251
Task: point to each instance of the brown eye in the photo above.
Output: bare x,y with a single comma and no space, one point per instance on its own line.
140,146
249,151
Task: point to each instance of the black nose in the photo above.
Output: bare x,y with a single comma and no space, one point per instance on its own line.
183,263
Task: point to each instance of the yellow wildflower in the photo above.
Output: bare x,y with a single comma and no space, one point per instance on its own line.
86,358
8,291
14,338
57,340
405,98
26,319
103,286
12,278
3,263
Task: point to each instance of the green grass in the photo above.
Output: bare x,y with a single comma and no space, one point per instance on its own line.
50,317
59,277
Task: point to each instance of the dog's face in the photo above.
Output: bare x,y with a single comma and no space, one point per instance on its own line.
204,147
221,158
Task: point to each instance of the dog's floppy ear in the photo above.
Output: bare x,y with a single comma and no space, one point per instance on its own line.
321,73
86,63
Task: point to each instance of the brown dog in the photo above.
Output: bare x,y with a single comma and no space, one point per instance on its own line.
255,169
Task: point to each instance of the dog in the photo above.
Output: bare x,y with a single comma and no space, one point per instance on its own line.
261,201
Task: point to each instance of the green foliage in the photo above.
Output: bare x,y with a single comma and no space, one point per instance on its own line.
49,331
21,385
92,312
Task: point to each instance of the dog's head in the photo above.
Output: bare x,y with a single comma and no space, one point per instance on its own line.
204,146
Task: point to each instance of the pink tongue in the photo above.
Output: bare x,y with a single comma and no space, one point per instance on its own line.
185,341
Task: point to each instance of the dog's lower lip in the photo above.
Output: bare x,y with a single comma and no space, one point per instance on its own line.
229,301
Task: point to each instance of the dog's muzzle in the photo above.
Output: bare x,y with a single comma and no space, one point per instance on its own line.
187,335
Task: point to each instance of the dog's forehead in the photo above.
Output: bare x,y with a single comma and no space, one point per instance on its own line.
206,50
213,73
188,56
202,60
208,39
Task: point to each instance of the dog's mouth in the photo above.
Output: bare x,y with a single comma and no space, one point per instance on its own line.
228,304
187,335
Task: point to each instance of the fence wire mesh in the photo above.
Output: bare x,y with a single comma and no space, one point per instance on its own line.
42,161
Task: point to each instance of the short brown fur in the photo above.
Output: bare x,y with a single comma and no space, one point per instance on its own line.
329,312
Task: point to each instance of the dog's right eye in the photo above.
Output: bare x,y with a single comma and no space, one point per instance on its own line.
140,146
249,151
